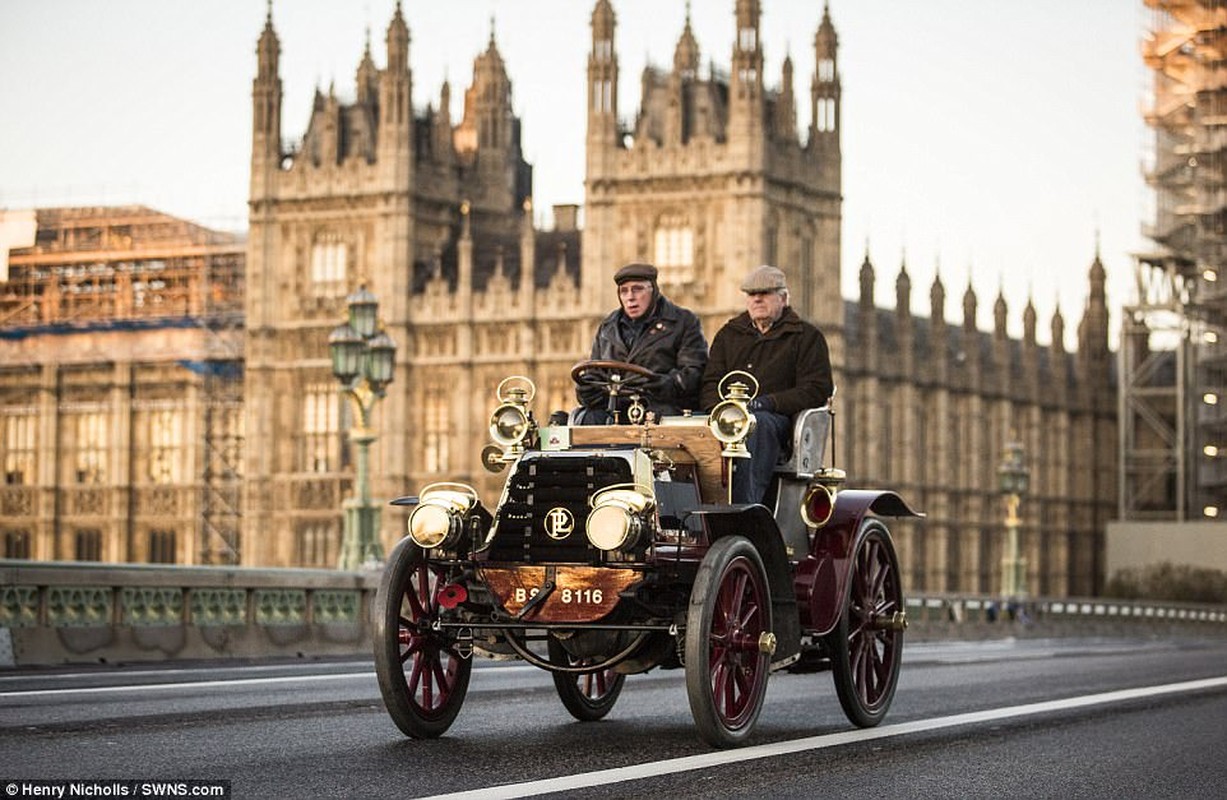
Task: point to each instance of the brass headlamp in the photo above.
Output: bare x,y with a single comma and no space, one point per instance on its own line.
439,518
730,421
616,522
511,424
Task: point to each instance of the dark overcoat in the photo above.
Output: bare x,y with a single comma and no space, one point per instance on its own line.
671,344
790,361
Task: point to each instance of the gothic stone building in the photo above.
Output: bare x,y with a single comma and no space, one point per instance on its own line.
708,177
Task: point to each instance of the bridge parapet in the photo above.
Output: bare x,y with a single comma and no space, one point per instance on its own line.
71,612
983,616
74,613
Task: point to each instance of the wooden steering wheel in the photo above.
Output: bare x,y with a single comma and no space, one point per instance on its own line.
607,372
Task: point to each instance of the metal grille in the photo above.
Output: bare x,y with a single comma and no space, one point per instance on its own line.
545,482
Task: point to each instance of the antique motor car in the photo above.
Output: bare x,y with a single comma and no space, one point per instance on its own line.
614,550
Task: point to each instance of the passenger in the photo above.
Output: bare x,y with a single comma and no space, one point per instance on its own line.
789,358
649,331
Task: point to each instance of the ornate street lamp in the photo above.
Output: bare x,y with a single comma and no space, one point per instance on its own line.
1014,478
363,356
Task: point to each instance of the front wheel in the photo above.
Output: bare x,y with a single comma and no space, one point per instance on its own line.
589,696
867,644
728,642
422,675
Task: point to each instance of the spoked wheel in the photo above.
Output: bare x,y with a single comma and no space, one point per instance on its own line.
867,644
422,675
728,642
589,696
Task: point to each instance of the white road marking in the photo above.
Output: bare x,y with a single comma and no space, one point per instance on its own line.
654,769
154,687
225,683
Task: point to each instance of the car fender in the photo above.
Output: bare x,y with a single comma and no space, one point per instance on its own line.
821,579
756,523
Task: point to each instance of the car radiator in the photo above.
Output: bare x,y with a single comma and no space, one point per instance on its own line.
542,519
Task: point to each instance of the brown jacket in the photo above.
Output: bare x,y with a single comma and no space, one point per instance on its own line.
790,361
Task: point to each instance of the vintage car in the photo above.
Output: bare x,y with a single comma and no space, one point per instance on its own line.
614,550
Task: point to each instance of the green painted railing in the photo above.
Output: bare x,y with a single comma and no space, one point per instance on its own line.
70,612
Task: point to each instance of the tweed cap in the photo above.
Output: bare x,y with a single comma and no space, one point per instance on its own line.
764,279
635,272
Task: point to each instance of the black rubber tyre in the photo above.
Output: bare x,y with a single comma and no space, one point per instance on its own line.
726,669
589,696
422,676
865,650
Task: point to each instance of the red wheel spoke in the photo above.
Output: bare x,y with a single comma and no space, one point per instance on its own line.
415,675
428,690
416,610
728,688
413,646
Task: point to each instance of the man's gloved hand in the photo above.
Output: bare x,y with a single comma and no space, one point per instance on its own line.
761,404
658,386
591,393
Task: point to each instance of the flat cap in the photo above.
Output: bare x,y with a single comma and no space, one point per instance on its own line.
764,279
635,272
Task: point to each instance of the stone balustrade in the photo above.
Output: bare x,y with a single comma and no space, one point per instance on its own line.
70,612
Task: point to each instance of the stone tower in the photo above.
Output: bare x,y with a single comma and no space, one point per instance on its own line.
405,203
712,178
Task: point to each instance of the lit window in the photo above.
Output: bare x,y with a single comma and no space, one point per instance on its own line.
1210,399
328,257
1210,511
674,251
1210,275
320,426
91,447
166,446
19,450
1210,337
437,432
1210,450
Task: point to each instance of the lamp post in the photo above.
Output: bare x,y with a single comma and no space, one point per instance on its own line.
1014,478
363,356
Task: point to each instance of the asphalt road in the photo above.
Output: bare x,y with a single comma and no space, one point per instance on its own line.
1027,718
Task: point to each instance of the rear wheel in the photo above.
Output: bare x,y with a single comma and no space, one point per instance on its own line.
867,644
422,675
728,642
589,696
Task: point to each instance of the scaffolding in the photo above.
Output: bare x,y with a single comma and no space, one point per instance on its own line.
222,478
1173,413
130,268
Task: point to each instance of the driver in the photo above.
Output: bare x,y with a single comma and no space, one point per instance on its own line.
649,331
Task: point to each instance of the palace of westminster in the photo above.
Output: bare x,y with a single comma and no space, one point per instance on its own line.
166,393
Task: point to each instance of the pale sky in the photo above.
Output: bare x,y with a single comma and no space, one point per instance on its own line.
995,140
